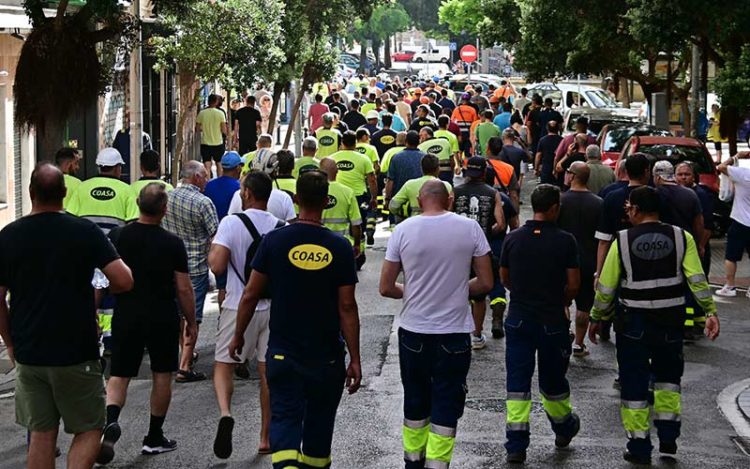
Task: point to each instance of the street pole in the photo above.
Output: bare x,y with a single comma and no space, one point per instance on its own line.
695,85
136,101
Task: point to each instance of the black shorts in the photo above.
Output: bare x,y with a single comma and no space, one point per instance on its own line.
738,241
717,146
131,336
212,152
585,297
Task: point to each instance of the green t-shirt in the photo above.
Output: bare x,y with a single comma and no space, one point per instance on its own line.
71,185
484,132
441,148
369,151
367,107
407,196
302,162
342,210
286,184
353,170
451,137
210,120
386,162
141,183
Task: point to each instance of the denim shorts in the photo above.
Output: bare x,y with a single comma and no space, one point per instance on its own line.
200,288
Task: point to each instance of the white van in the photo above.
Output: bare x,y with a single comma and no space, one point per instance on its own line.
430,55
567,96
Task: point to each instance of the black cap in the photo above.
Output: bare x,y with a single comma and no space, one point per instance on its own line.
476,167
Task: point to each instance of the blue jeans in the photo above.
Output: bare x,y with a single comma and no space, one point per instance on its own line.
526,339
433,372
200,288
304,398
645,352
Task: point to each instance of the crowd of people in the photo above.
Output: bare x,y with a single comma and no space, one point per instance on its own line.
627,247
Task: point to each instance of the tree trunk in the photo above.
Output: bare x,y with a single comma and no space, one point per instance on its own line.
295,112
278,90
625,92
51,139
190,93
728,127
376,52
362,56
387,53
686,115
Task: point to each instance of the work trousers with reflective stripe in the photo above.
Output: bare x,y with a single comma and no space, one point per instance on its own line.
497,294
645,352
433,373
304,399
526,343
368,216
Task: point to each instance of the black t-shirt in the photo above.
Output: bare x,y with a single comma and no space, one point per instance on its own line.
383,140
534,118
547,146
614,218
248,117
153,254
514,156
47,262
678,206
579,216
354,120
305,265
476,200
340,106
547,115
418,123
538,255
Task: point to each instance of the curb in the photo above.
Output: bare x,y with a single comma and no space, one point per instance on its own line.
729,405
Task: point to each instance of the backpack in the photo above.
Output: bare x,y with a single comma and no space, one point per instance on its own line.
251,250
265,161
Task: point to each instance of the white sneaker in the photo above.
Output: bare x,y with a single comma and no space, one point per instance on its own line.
478,343
728,291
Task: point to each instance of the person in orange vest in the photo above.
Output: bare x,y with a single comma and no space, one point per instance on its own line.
465,115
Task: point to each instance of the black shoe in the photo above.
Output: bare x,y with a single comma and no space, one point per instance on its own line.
223,441
189,376
563,441
370,238
667,447
498,311
242,371
516,458
604,333
360,261
110,435
633,459
158,445
688,337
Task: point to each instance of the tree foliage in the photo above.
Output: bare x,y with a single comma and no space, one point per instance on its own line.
424,16
385,21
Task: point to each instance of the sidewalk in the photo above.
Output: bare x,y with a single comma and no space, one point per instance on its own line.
716,276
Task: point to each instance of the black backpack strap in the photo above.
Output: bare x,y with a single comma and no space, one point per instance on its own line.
253,233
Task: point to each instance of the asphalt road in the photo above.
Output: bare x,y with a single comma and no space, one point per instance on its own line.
368,432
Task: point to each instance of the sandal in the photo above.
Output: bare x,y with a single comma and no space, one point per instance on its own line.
189,376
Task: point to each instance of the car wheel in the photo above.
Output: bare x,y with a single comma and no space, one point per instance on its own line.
444,60
419,60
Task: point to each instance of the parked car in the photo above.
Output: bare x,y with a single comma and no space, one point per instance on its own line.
344,71
458,83
677,150
613,138
430,55
567,96
403,56
353,62
598,118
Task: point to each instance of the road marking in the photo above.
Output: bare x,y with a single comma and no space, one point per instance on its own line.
727,401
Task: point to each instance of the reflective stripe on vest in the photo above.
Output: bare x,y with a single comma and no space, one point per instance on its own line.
651,257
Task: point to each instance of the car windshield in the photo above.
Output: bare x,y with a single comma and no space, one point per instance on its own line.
679,153
599,98
616,138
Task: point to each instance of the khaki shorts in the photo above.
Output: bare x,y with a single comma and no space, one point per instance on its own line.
256,336
46,393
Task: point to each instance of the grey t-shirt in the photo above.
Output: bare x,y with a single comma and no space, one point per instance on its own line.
579,216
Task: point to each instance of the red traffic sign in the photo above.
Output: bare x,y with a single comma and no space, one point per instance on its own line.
468,53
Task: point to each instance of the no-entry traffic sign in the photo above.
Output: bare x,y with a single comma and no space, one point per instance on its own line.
468,53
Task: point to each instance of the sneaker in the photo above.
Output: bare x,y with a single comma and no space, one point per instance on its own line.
564,441
478,343
158,445
189,376
370,238
668,447
727,291
516,458
633,459
498,311
110,435
580,351
223,441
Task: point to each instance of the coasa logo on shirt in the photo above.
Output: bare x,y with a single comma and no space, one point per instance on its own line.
387,140
331,202
360,150
652,246
345,165
435,149
103,193
326,140
310,257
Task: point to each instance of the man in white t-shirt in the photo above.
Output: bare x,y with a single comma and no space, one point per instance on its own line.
738,234
280,205
228,252
436,320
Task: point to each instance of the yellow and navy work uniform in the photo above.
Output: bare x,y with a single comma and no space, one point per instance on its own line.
110,203
144,181
306,162
354,170
342,211
646,268
536,329
372,154
441,148
305,359
328,141
71,186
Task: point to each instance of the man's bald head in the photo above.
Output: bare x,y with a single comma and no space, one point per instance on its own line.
328,166
152,200
580,172
433,195
47,185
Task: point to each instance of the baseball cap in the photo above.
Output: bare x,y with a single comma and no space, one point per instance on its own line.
466,96
231,160
372,115
109,157
664,170
476,167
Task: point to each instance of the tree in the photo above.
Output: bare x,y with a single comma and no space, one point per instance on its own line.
46,92
385,21
222,41
424,16
462,16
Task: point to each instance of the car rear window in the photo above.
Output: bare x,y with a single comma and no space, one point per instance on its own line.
616,139
679,153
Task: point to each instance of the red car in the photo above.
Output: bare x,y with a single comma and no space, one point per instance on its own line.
613,138
403,56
